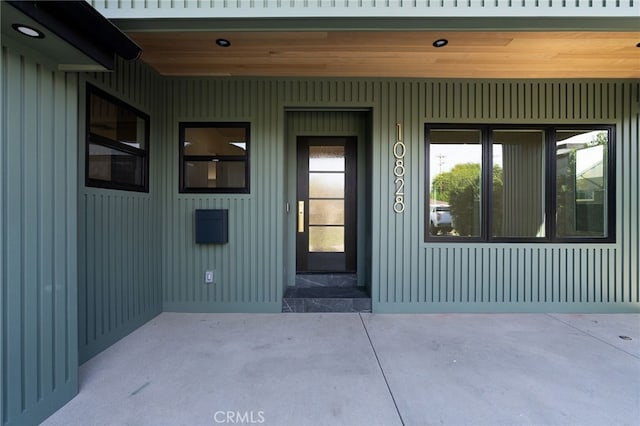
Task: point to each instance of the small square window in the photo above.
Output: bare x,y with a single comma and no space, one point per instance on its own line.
214,157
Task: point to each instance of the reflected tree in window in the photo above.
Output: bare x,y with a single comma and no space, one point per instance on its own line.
461,189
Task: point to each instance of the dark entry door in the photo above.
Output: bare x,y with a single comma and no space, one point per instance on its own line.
326,208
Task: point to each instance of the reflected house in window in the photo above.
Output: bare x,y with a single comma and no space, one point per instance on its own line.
581,160
518,183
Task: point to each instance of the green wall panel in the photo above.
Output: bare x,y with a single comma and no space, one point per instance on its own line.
629,192
119,231
38,242
249,268
457,276
406,271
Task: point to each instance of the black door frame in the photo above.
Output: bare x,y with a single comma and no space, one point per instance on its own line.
327,262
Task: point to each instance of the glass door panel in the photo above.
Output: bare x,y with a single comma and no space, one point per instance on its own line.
326,185
326,158
326,212
326,239
326,197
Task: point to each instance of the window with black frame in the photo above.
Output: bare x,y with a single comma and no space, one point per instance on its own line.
117,148
214,157
520,183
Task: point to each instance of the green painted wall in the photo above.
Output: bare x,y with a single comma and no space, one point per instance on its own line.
38,243
134,254
119,281
408,275
249,269
416,276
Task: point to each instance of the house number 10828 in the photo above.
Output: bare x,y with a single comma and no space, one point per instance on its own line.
399,151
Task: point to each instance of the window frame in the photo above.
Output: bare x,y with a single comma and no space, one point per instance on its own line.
95,139
183,158
550,182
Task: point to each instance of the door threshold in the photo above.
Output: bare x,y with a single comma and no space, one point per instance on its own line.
326,299
314,280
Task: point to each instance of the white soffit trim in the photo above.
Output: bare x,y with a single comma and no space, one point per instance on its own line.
152,9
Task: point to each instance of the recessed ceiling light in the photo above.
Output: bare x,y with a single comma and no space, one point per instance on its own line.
223,42
638,45
28,31
441,42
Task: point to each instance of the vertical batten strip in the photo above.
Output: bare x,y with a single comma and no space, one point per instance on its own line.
415,144
631,108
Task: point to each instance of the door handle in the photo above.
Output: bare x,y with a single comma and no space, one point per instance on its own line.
300,216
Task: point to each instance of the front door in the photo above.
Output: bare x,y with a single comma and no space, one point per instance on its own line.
326,207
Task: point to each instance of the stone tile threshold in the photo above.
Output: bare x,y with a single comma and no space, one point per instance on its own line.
315,280
326,299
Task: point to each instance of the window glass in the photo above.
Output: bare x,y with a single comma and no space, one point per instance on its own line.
552,183
215,174
518,183
116,143
217,141
581,183
116,123
112,165
455,164
214,157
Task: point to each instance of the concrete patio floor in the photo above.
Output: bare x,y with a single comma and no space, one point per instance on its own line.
365,369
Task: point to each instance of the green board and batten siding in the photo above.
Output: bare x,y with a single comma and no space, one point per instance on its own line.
119,245
38,241
418,277
248,269
137,255
407,274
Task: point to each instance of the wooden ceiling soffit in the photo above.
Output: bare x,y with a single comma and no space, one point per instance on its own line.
468,54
